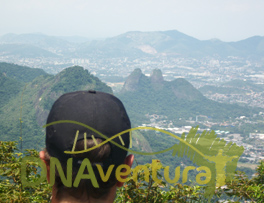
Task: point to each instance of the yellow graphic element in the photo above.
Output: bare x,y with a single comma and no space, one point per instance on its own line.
207,175
220,163
176,177
75,140
106,176
85,143
121,140
119,173
212,148
156,165
28,160
66,177
66,181
95,142
130,139
20,119
203,149
119,134
86,164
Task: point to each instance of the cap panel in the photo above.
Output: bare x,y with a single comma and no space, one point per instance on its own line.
101,111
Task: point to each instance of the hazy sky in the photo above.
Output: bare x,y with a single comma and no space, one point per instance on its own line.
228,20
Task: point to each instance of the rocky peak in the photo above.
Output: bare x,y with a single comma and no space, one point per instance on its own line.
156,79
156,76
133,80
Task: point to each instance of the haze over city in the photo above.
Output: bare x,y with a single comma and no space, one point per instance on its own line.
223,19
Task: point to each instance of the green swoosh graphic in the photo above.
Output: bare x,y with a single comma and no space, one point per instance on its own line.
121,133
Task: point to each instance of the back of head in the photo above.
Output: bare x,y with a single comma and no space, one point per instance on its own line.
79,121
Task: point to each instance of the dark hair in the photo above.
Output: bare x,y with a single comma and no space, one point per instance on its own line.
85,188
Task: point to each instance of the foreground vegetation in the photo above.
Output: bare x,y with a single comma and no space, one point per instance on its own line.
239,189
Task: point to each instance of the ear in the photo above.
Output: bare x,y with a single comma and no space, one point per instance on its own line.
42,157
128,161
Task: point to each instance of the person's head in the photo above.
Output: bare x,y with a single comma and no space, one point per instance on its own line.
77,122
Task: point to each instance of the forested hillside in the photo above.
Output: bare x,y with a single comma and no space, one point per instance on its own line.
175,99
20,73
27,95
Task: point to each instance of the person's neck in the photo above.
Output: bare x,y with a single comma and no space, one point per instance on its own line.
69,199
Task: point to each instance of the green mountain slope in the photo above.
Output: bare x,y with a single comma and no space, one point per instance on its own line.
131,44
9,88
20,73
32,103
176,99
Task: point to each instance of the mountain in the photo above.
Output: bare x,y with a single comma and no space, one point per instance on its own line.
131,44
253,46
39,39
13,78
171,42
24,106
35,39
180,88
176,99
112,47
25,103
24,51
20,73
141,44
48,46
75,39
9,88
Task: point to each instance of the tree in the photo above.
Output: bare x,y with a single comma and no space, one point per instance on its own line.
240,188
11,189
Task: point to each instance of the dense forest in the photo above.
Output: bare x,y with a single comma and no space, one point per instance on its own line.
239,189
